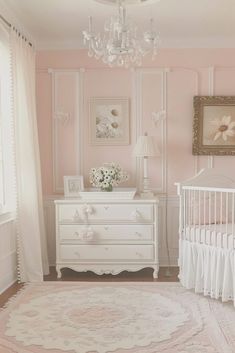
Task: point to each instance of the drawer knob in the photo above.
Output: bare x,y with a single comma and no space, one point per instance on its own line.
138,234
76,216
77,254
77,235
135,215
88,234
139,254
88,209
81,236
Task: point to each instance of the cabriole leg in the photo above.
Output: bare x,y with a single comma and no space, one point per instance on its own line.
155,273
58,270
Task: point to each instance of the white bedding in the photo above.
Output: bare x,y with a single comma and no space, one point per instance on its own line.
219,235
207,261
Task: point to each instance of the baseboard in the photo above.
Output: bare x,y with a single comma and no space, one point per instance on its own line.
8,281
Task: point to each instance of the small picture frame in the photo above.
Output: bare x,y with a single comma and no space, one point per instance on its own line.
73,185
214,125
109,121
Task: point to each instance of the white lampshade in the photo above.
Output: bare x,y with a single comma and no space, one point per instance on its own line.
146,147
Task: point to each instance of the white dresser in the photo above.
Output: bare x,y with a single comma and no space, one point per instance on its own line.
107,237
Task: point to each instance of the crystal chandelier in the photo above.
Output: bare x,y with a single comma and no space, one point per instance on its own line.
120,44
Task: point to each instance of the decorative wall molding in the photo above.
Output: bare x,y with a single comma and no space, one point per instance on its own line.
64,117
80,103
164,107
138,95
134,129
196,93
137,77
211,73
162,123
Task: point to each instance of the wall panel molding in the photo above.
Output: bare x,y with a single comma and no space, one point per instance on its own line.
196,74
139,109
134,119
162,123
211,85
80,125
61,118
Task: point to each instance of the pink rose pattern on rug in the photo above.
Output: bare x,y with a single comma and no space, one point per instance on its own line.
58,317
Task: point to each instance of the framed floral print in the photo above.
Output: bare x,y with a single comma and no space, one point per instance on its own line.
109,121
214,125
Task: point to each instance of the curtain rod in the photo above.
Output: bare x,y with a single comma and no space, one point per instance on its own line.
10,25
4,20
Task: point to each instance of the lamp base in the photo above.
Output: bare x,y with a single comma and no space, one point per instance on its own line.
146,195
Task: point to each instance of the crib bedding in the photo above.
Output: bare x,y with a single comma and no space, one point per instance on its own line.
207,261
219,235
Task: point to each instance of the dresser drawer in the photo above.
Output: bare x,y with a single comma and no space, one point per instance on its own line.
81,213
104,233
106,252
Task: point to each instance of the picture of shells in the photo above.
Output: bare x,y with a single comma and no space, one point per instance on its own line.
109,120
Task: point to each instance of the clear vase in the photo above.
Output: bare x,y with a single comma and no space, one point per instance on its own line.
108,188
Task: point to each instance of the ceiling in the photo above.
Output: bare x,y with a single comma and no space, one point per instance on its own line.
58,24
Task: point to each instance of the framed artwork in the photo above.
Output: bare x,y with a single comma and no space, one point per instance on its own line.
214,125
109,121
73,185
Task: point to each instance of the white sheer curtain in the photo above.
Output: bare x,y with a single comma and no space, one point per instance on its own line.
7,172
32,250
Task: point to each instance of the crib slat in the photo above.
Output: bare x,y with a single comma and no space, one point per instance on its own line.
204,208
184,203
209,205
189,208
194,215
221,211
215,211
233,201
199,208
226,213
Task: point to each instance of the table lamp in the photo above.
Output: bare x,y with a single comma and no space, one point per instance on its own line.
145,148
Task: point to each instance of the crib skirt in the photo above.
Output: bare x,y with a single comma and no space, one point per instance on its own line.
207,269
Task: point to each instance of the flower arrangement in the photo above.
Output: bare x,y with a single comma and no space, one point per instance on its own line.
107,176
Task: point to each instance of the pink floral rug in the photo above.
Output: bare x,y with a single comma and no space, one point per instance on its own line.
72,317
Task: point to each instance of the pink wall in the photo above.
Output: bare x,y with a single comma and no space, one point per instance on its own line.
189,72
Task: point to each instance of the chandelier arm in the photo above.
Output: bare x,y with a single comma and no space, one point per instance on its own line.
120,44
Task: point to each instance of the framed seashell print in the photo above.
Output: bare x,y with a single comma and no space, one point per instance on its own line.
109,121
214,125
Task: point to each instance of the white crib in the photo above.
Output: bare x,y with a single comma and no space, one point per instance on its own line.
207,234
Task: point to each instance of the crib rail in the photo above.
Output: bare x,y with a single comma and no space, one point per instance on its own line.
207,215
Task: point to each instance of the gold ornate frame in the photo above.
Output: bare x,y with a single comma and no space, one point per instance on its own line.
198,147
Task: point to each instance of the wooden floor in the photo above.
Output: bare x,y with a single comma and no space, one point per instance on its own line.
145,275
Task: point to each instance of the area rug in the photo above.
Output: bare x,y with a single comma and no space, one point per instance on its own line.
75,317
